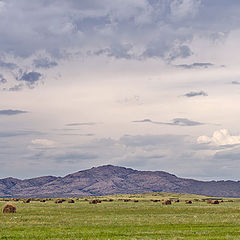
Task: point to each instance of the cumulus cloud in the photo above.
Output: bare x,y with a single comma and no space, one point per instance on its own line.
220,138
130,30
10,112
195,94
174,122
113,27
30,79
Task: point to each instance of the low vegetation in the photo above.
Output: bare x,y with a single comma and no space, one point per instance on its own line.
138,216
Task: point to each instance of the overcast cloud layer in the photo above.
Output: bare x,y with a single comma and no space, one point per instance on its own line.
147,84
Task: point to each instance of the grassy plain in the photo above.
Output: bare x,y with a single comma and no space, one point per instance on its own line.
123,220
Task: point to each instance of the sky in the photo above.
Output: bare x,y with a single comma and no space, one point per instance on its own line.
145,84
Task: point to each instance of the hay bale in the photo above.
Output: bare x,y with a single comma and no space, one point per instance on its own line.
176,201
27,200
94,201
42,200
166,202
110,200
9,208
58,201
71,201
126,200
135,201
188,202
230,200
209,201
214,202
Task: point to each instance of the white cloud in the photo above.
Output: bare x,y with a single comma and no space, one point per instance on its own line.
43,142
220,138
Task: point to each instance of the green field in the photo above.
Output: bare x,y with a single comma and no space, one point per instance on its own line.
123,220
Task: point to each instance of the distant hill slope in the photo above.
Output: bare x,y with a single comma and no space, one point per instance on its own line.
108,179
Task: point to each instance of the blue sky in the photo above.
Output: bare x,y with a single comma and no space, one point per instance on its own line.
147,84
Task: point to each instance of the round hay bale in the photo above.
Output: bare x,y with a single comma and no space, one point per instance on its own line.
188,202
214,202
177,200
71,201
42,200
135,201
27,200
110,200
94,201
58,201
166,202
9,208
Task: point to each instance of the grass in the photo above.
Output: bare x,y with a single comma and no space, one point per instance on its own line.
123,220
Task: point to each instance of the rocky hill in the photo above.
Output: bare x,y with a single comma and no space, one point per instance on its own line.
108,179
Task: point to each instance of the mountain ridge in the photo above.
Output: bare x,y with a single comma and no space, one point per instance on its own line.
109,180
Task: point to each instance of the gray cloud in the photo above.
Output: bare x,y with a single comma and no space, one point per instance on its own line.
10,112
179,52
144,120
81,124
111,26
8,65
195,65
235,82
77,134
183,122
44,63
6,134
2,79
29,78
175,122
195,94
119,51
